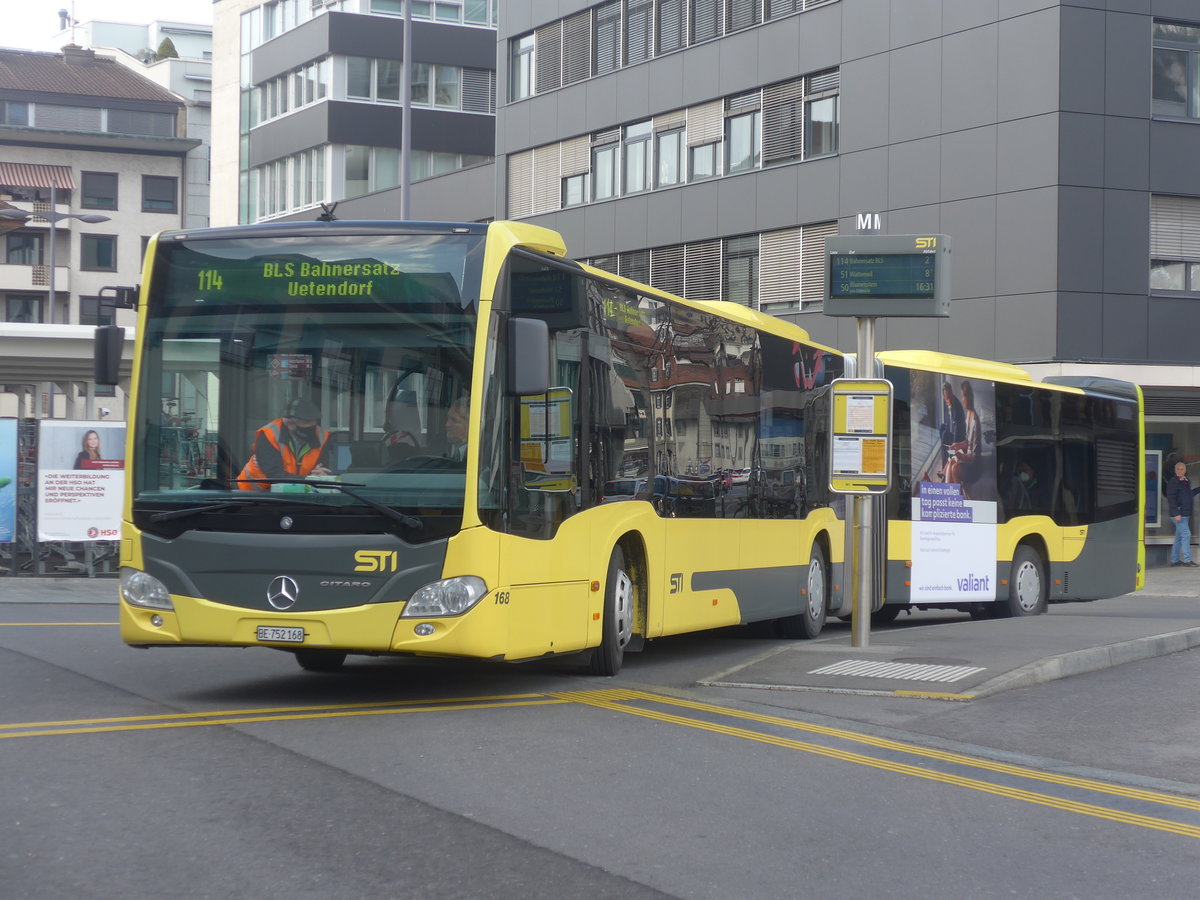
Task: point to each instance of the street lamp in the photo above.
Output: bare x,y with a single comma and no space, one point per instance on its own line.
53,218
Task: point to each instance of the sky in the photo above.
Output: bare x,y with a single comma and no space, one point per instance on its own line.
33,24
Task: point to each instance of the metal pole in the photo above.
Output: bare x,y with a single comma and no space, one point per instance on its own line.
53,219
862,559
406,116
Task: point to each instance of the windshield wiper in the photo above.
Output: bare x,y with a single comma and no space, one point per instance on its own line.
227,504
394,514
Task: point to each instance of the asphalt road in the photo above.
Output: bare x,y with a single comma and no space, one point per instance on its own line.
225,773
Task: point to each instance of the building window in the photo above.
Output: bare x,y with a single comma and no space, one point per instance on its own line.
159,194
357,171
98,252
575,190
669,158
99,190
638,31
669,21
637,157
706,20
604,172
358,78
14,112
742,135
606,42
704,161
821,126
521,67
742,14
387,80
23,248
741,270
1176,72
23,308
1175,276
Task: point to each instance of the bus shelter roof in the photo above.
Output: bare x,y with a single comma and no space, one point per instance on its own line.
35,353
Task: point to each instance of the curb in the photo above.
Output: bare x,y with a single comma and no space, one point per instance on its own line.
1093,659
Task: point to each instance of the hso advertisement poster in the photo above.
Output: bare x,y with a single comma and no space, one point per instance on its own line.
81,480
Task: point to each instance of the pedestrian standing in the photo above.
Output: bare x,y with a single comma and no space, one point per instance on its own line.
1179,507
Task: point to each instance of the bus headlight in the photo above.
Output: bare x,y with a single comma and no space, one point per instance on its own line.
451,597
140,589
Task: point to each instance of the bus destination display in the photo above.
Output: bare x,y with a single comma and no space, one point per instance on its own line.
900,275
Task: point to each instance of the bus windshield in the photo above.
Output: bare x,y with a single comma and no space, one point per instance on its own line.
340,357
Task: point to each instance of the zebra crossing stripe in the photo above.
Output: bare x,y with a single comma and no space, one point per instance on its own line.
864,668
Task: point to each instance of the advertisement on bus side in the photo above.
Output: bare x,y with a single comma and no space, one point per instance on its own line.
954,504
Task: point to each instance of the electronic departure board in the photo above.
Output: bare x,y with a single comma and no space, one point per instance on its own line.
888,275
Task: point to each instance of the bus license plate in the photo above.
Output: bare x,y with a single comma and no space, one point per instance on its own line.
279,635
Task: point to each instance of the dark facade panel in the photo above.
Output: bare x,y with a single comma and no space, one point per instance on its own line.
378,126
383,37
290,134
1174,151
297,47
349,34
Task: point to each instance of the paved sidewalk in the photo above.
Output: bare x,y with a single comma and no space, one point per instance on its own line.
948,656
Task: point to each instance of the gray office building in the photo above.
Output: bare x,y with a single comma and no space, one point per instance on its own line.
310,111
710,146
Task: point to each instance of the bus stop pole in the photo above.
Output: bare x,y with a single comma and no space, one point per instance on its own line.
862,563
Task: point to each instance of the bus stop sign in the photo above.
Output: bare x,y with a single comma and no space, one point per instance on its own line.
860,441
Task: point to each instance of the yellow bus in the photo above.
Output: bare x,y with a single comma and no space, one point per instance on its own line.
397,438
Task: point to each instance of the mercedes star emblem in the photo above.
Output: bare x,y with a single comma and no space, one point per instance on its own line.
283,592
285,523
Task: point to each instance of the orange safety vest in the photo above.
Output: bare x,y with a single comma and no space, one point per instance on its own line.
291,466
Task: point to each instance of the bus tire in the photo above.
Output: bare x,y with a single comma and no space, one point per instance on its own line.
617,617
808,624
320,660
1027,586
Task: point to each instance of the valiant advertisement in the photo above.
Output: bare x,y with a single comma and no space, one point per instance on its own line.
81,480
954,501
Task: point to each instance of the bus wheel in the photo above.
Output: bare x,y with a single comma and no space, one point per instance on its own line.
320,660
618,617
1027,587
809,623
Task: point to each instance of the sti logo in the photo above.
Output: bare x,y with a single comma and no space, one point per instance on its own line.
926,243
376,560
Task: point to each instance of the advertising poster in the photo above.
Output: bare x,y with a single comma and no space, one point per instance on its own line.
81,480
954,489
8,480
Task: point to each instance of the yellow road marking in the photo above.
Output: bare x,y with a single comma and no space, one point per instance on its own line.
251,716
1088,784
598,699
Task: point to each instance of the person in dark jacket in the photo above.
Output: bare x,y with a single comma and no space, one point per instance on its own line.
1179,507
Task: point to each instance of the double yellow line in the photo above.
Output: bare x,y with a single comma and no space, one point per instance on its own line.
710,718
620,702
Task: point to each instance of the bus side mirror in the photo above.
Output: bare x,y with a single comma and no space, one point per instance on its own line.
106,354
528,356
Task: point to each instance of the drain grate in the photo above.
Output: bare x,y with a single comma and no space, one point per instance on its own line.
864,668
